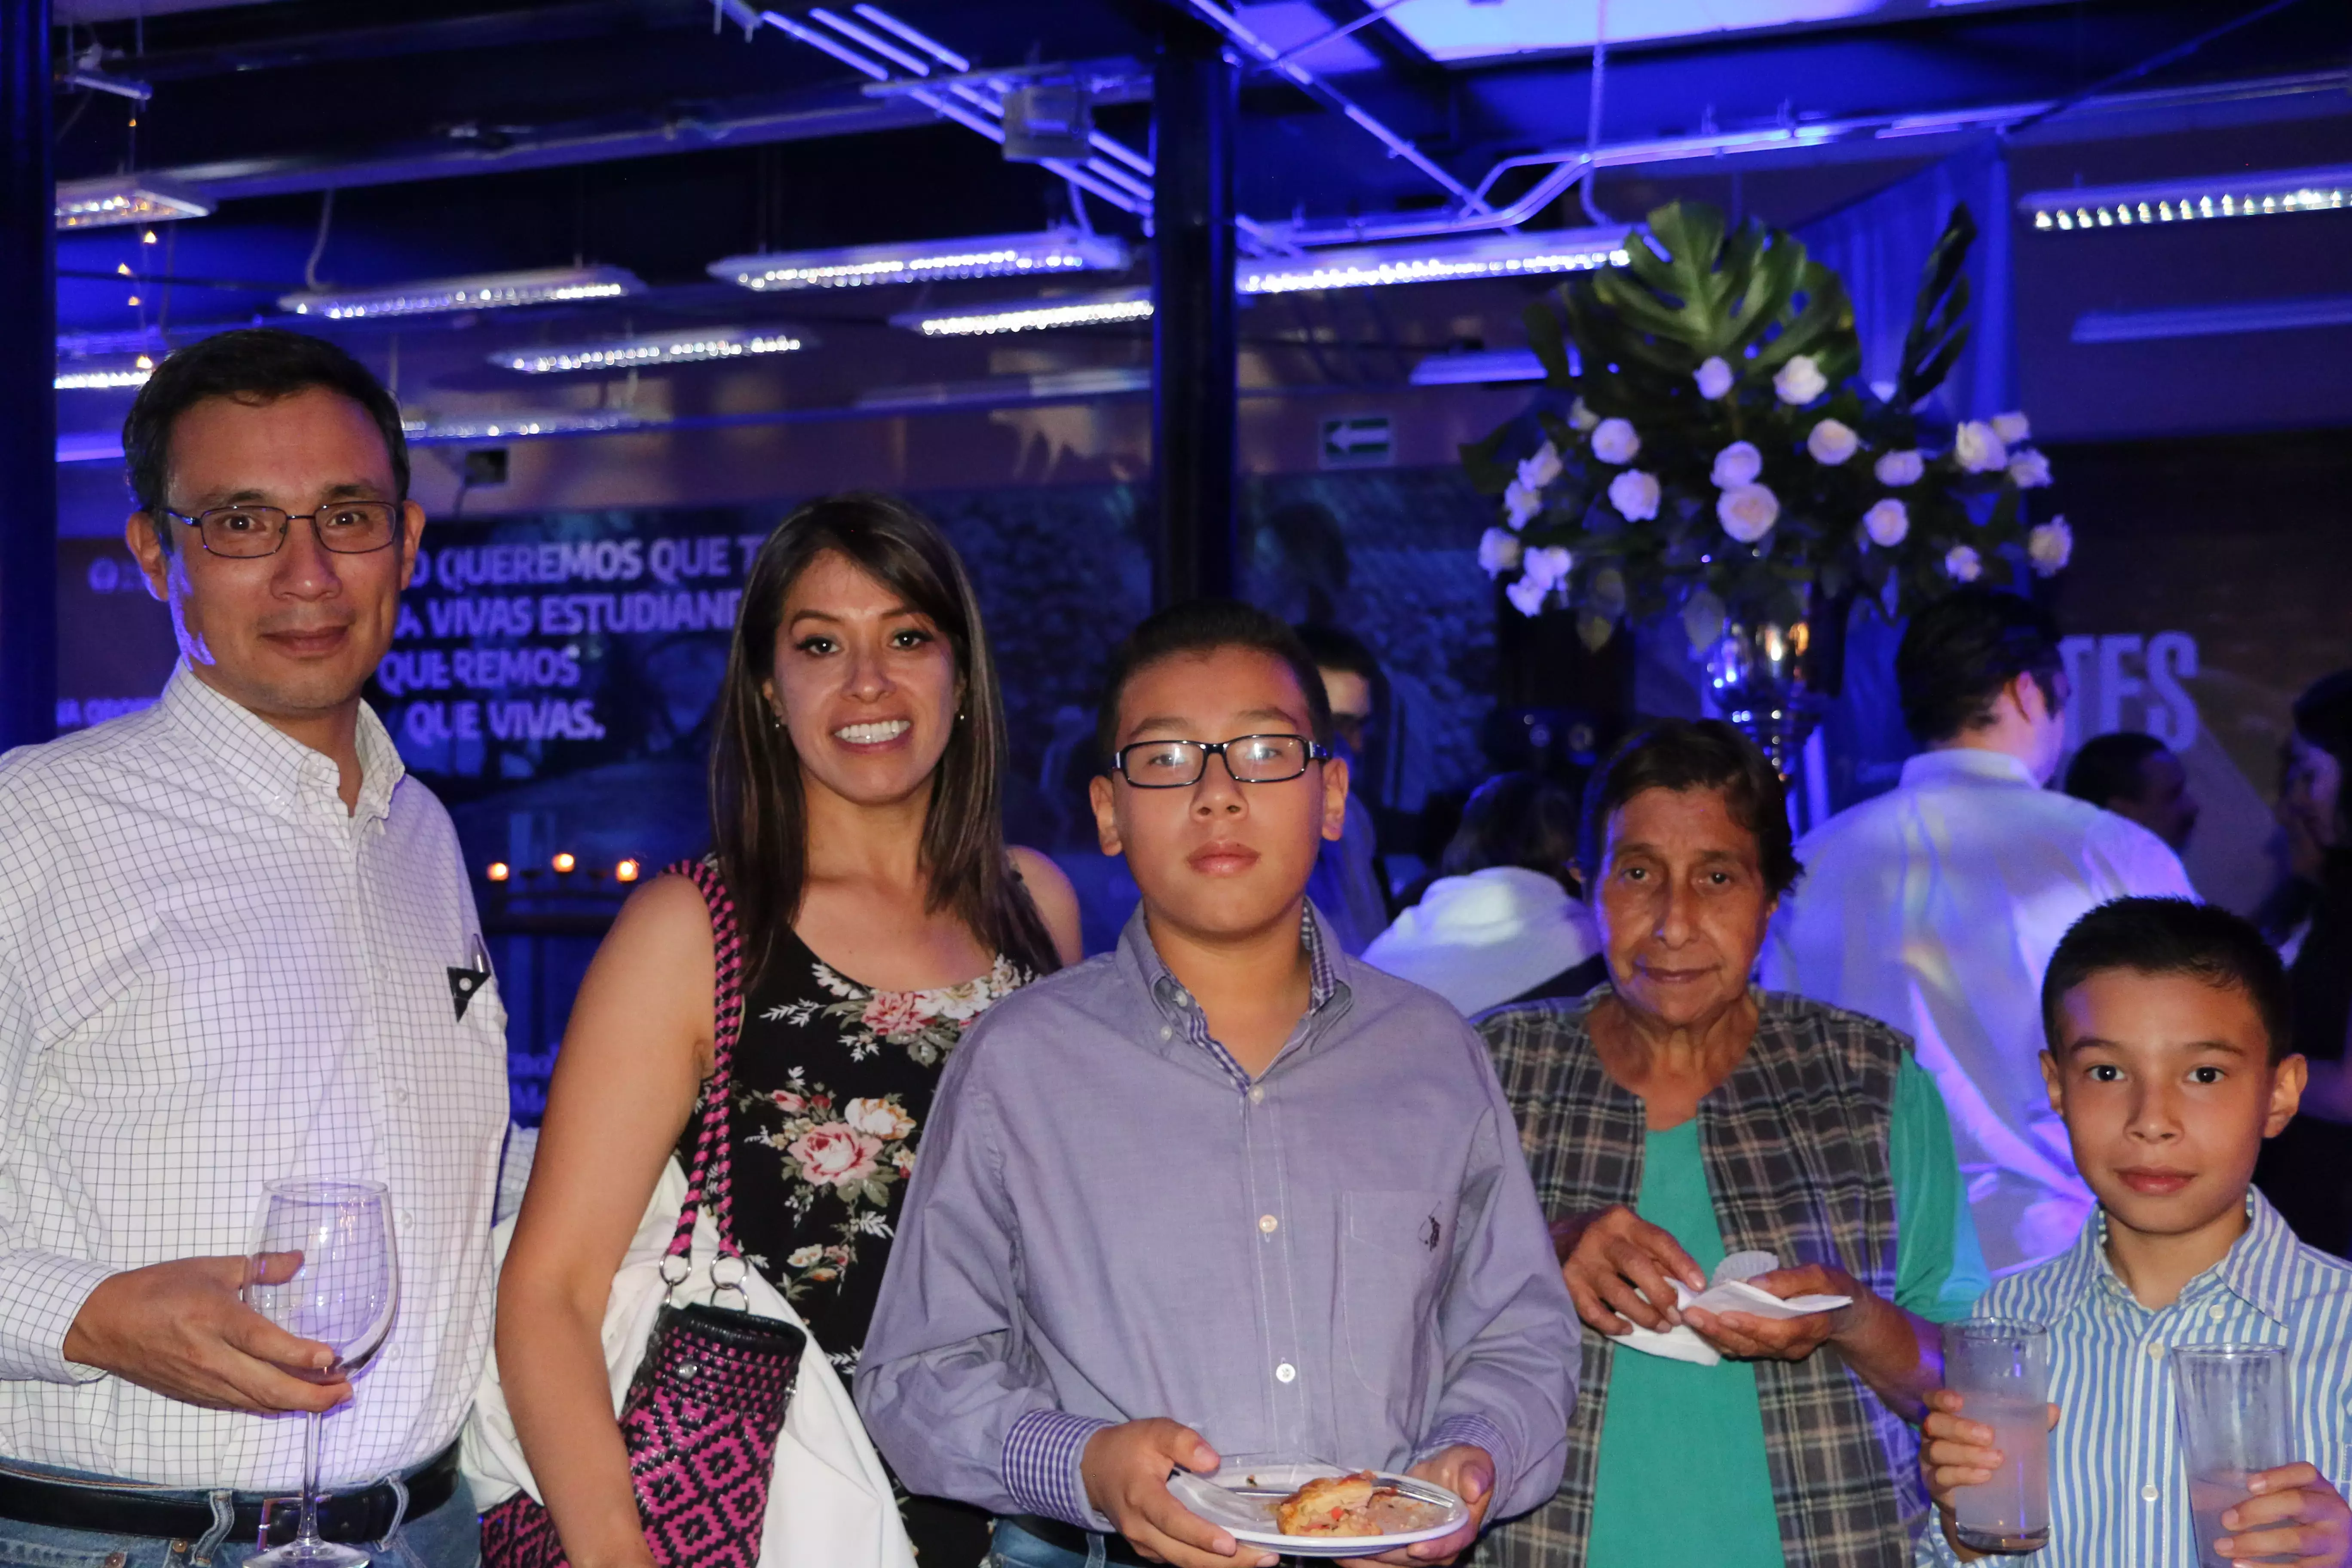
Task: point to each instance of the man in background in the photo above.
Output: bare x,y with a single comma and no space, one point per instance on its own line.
2136,776
1347,884
1936,907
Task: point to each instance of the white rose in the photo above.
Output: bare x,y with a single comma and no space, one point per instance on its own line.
879,1117
1527,596
1497,552
1540,470
1888,523
2029,469
1747,512
1634,494
1738,464
1800,380
1580,417
1963,563
2011,427
2050,546
1549,566
1978,449
1714,378
1614,441
1521,504
1832,442
1898,469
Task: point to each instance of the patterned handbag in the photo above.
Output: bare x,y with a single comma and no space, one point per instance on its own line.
703,1414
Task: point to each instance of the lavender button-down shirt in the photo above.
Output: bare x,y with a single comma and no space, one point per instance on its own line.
1342,1261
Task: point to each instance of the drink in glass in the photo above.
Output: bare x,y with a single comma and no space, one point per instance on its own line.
342,1291
2000,1368
2233,1404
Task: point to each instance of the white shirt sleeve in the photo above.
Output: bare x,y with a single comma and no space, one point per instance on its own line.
2140,864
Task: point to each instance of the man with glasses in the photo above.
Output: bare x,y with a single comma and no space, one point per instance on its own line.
237,944
1936,907
1226,1195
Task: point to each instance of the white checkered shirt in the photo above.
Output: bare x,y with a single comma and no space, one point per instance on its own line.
211,976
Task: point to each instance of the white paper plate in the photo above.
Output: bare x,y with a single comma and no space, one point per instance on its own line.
1241,1498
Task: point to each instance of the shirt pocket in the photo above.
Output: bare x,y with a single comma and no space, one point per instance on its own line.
486,1015
1393,1251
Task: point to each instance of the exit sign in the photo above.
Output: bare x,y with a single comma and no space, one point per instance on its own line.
1359,441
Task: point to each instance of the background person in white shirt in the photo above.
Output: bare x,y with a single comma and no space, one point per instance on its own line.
1500,923
1936,907
234,942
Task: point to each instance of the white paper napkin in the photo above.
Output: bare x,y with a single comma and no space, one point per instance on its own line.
1728,1290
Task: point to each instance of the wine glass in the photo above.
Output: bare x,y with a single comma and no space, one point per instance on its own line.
343,1293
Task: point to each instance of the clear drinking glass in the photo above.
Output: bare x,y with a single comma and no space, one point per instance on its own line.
342,1294
2232,1403
2000,1368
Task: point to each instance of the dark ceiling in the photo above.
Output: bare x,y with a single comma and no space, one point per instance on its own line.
466,136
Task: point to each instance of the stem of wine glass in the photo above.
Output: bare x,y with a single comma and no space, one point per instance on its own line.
308,1533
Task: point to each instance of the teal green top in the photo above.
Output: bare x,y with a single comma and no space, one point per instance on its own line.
1682,1477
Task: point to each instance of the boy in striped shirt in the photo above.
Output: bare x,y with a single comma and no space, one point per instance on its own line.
2167,1023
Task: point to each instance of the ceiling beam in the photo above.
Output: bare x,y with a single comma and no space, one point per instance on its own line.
530,26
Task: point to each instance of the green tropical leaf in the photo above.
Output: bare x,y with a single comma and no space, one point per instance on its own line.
1544,337
1939,330
1490,472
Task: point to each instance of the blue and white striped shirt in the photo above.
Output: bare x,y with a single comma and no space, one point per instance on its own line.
2118,1496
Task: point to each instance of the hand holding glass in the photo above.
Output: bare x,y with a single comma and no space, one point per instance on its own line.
2000,1368
2232,1404
342,1292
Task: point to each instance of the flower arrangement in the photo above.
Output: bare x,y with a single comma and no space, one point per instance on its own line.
1721,456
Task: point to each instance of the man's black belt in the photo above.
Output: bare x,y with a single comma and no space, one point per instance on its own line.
1070,1538
128,1508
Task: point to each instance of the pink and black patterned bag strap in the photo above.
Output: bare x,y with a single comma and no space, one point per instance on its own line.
711,1179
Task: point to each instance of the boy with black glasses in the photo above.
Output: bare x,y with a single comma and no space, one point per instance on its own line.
1224,1196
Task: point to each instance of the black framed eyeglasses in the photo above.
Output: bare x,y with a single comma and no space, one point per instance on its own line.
1250,759
345,527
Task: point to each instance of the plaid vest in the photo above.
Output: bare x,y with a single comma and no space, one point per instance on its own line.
1795,1141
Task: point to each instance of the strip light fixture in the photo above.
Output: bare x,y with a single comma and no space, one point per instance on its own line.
2213,320
84,377
653,349
2252,194
1052,253
1029,315
1002,391
485,292
127,198
522,422
1435,260
1478,367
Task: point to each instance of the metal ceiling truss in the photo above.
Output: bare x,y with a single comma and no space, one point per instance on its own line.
976,100
907,63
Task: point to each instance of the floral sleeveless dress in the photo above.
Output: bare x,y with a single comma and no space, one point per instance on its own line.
833,1082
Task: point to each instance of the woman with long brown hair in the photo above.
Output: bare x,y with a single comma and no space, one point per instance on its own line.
856,820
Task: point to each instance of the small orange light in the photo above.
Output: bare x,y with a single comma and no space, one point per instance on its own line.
147,238
626,871
564,862
143,363
132,301
122,268
498,871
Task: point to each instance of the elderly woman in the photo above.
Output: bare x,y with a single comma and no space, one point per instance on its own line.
1676,1115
